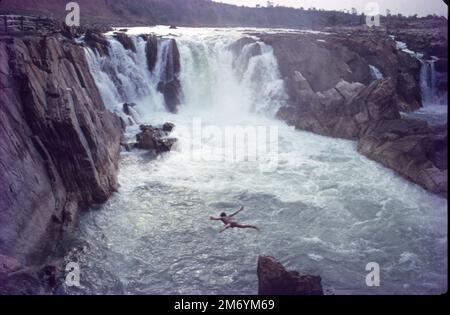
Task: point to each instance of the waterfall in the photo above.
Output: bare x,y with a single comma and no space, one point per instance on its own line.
122,76
213,75
375,72
429,81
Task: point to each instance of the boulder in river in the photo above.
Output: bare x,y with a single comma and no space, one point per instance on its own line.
155,139
274,279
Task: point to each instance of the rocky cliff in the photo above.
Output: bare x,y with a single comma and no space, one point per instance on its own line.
274,279
334,90
59,146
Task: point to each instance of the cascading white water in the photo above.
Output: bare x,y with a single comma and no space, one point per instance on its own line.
434,103
325,209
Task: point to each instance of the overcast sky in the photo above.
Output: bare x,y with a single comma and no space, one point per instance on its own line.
406,7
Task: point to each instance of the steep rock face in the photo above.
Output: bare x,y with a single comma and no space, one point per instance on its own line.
97,41
125,40
155,139
170,85
307,54
325,60
59,146
151,50
411,148
428,36
274,279
343,111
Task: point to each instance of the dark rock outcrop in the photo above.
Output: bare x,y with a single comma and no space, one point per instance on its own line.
428,36
346,56
237,46
97,41
170,85
155,139
274,279
128,109
171,92
168,127
346,102
343,111
125,40
242,56
59,146
172,67
151,50
19,279
409,147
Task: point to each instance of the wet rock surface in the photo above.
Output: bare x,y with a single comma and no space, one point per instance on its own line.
125,40
59,145
411,148
151,51
97,41
274,279
346,56
170,85
155,139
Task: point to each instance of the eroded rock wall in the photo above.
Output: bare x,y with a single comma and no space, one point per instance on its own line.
59,146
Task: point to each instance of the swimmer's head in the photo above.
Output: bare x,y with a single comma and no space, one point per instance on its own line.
223,214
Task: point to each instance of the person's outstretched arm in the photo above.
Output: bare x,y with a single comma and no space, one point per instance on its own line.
212,218
242,208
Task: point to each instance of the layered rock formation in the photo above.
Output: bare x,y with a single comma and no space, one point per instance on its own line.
333,93
410,147
325,60
97,41
126,41
151,50
274,279
59,146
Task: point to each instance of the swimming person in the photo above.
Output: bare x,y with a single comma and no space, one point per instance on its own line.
230,223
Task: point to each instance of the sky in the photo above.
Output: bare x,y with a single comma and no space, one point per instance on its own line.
406,7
